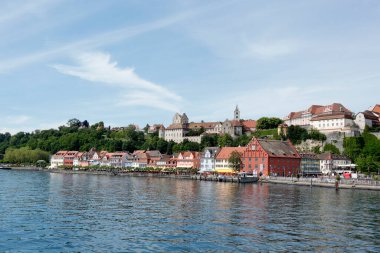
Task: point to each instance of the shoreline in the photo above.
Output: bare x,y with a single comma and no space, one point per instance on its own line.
353,186
295,182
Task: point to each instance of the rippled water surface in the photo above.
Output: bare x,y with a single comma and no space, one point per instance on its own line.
64,213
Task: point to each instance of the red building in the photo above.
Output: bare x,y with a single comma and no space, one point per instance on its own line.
69,158
271,157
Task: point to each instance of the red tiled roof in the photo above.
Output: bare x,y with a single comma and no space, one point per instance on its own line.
316,110
332,116
188,153
225,152
249,123
236,123
376,109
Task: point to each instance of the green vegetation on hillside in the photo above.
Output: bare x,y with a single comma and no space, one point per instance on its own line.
364,151
297,134
80,136
268,123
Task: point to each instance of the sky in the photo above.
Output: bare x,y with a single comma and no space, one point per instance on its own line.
138,62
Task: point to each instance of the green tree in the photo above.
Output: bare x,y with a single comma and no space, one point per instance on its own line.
332,148
317,149
225,141
235,160
74,123
297,134
268,123
353,147
209,140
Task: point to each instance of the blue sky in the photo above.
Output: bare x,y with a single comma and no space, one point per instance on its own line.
139,62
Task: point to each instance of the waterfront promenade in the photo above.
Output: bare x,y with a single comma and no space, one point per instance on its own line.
364,184
360,184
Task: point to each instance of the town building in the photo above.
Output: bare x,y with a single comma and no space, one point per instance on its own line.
164,162
140,159
330,162
57,160
370,118
207,159
120,159
325,118
367,118
178,129
271,157
188,159
222,164
68,160
181,129
310,164
337,122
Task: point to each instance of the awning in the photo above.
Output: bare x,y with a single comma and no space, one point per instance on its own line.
226,170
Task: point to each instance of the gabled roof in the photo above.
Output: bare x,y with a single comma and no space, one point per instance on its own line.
376,109
331,156
154,153
205,125
332,116
213,151
225,152
370,115
71,154
316,110
275,148
188,154
249,123
175,126
61,153
236,123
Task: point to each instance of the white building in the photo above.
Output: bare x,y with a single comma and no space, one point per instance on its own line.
207,160
367,118
57,159
322,117
178,129
337,122
330,162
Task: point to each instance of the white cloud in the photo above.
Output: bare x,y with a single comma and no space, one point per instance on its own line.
17,119
269,50
98,67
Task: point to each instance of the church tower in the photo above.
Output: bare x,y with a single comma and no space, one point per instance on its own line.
237,113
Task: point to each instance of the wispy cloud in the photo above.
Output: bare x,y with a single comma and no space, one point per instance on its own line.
17,119
21,10
94,42
97,67
271,49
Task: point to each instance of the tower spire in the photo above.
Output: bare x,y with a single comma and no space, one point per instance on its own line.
237,113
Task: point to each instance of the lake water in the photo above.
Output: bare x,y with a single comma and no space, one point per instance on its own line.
47,212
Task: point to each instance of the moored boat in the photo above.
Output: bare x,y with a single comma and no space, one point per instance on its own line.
247,178
5,168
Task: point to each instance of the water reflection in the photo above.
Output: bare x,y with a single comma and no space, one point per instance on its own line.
56,212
